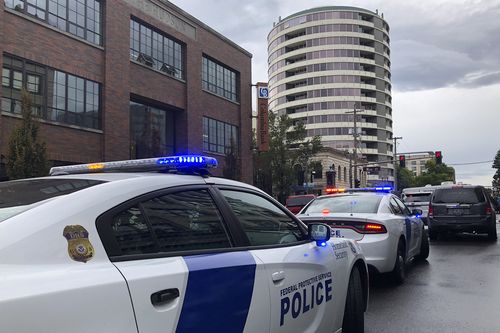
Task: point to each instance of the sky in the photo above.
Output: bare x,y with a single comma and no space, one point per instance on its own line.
445,65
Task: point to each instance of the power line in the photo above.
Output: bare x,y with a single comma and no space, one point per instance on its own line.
471,163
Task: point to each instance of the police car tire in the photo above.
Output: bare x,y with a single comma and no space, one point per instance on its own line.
398,274
424,246
354,319
432,235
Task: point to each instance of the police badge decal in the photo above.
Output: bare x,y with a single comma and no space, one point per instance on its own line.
79,247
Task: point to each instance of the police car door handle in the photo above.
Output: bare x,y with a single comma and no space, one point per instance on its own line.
164,296
278,276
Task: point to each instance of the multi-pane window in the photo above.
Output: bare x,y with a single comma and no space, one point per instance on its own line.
156,50
56,96
152,131
219,79
81,18
219,137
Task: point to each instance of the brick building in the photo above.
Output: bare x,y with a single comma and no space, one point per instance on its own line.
124,79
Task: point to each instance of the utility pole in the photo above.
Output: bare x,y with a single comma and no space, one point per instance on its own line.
355,150
395,139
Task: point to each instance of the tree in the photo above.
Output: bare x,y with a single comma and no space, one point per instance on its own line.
27,155
435,174
287,147
496,177
405,178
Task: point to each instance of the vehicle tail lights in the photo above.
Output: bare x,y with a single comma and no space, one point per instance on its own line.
431,211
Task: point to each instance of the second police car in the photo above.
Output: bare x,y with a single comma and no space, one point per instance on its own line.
386,230
96,248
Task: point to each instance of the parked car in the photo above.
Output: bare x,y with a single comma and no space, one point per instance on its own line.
462,208
389,234
295,203
96,248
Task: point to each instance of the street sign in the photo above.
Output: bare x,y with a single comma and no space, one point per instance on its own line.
263,92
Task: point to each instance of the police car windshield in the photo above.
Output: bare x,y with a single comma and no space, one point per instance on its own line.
345,204
19,196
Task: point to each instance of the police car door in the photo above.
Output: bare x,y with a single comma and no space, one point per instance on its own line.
174,248
416,228
301,275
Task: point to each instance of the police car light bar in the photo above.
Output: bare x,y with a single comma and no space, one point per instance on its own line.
385,189
181,162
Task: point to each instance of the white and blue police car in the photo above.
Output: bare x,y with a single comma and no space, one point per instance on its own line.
387,231
114,247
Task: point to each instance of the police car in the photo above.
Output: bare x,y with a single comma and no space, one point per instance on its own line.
99,248
386,230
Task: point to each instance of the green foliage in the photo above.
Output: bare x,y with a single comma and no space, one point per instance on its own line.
435,174
287,147
27,156
496,177
406,178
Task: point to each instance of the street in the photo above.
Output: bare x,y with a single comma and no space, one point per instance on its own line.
457,289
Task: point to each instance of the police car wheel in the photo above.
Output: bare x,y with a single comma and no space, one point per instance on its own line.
398,274
424,246
354,320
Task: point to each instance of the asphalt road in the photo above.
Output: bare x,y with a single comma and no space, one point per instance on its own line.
456,290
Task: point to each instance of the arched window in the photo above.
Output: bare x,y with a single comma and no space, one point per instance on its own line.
339,174
345,174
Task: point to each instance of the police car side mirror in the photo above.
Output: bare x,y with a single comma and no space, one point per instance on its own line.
417,212
319,233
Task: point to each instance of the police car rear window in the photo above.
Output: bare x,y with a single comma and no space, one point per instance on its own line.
22,195
345,204
299,201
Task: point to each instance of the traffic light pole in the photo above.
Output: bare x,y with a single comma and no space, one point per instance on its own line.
396,138
355,150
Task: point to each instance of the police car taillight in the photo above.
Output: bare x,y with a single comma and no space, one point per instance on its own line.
361,227
181,162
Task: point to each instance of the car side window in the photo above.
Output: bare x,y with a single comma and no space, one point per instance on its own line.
186,221
180,221
395,207
263,222
132,233
406,211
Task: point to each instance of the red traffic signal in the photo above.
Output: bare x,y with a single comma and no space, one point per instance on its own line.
439,157
402,161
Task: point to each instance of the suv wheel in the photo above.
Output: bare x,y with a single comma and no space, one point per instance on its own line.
398,274
354,319
492,234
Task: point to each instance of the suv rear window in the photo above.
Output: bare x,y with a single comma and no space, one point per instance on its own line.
416,197
21,195
472,195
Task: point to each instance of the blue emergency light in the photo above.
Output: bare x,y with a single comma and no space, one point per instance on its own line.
382,189
181,162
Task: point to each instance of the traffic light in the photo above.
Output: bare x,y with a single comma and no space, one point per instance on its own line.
357,183
439,157
329,178
402,161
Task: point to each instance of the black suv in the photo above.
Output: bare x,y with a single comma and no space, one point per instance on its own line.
466,208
